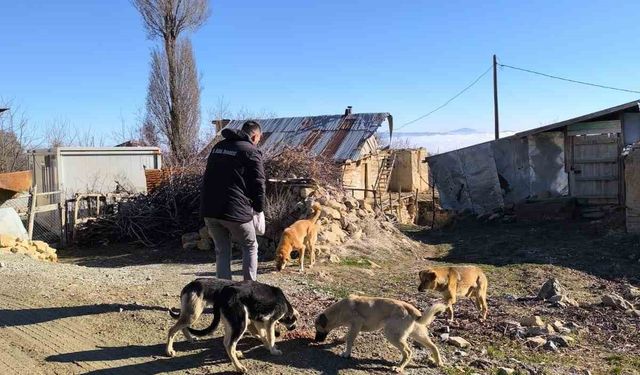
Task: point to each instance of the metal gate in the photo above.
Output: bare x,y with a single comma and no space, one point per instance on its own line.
595,167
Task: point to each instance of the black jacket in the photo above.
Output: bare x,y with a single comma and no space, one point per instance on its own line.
233,185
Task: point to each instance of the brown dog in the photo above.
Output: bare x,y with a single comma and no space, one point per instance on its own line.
468,281
300,235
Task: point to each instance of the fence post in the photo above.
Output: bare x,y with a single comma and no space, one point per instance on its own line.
375,199
76,207
32,210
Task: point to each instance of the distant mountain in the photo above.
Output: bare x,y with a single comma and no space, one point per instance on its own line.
461,131
439,142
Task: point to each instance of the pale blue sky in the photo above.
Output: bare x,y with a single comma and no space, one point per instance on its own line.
87,61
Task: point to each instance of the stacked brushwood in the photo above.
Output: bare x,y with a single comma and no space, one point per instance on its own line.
164,214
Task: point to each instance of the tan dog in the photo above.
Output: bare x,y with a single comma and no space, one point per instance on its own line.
468,281
300,235
400,320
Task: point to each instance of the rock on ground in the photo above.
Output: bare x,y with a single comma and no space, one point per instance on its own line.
458,342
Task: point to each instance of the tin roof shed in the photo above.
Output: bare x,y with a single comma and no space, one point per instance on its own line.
338,137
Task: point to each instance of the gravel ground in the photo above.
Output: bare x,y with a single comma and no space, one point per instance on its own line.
97,313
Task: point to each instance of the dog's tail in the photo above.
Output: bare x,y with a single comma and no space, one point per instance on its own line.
316,212
212,327
174,315
428,317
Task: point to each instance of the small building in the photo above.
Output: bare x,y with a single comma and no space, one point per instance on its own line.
74,170
348,139
578,158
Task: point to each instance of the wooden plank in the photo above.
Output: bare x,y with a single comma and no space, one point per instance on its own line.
32,213
47,207
596,178
595,127
596,160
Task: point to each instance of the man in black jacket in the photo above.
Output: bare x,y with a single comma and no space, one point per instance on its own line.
232,192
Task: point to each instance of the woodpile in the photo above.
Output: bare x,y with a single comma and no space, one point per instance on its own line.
165,214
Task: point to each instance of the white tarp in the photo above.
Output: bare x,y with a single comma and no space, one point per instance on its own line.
484,177
467,179
11,224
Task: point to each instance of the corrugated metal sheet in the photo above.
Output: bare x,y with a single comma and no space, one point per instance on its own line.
338,137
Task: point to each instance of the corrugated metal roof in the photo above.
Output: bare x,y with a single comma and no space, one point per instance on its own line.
339,137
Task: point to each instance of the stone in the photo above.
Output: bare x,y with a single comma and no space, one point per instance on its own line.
7,240
494,217
332,235
458,342
2,265
633,313
333,258
536,342
190,245
190,237
40,246
537,331
562,340
631,292
334,204
562,300
550,288
444,337
531,321
572,326
616,301
372,264
306,191
460,353
482,364
505,371
357,235
204,232
204,244
361,213
351,203
557,325
330,213
550,345
365,205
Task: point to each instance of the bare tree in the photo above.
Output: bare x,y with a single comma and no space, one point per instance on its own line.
173,101
222,111
15,139
60,133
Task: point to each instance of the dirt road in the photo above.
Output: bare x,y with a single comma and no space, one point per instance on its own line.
107,313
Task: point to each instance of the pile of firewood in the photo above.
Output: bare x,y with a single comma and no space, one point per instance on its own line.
164,214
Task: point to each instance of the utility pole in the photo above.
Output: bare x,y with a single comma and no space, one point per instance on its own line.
495,96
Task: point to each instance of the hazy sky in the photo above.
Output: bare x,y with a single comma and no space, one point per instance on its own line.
87,61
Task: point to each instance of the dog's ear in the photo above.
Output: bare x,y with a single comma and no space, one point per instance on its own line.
322,321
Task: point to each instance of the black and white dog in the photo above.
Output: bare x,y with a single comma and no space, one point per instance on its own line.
242,305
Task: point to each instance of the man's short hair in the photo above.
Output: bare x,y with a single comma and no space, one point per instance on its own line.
251,127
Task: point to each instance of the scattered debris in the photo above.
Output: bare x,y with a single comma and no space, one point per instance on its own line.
505,371
617,301
562,340
532,321
536,342
38,250
459,342
553,291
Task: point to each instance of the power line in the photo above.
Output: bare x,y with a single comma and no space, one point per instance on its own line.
448,101
567,79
